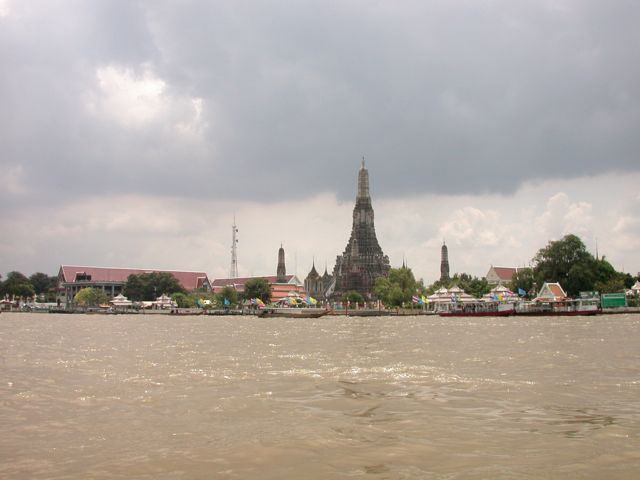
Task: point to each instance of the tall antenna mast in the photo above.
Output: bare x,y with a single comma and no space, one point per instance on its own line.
233,273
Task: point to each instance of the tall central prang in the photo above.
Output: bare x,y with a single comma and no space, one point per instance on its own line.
362,261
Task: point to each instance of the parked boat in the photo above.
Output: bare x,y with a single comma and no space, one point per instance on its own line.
481,309
566,307
292,312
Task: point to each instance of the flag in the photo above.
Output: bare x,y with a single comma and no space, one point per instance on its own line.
252,301
415,299
227,302
313,301
259,302
424,299
521,292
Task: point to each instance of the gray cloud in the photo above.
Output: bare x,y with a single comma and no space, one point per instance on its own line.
268,100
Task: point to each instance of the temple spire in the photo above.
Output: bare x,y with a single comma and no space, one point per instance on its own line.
281,271
362,261
444,263
363,181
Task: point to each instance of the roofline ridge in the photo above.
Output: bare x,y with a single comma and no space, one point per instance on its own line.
133,268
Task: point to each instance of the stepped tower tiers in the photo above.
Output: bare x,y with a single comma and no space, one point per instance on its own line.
444,263
362,261
281,271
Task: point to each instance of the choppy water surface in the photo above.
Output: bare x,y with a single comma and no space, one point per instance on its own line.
162,397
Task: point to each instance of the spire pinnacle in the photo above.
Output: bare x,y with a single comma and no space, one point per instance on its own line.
281,269
363,182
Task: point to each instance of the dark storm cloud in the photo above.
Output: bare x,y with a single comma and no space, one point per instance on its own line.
439,96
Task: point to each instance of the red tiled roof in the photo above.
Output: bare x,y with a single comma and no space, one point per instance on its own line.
556,289
554,292
505,273
188,280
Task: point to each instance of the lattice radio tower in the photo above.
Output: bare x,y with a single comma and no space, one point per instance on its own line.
233,273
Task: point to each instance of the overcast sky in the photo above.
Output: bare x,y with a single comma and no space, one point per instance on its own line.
131,132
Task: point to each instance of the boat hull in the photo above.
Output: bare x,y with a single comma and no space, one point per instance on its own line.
497,313
573,313
291,313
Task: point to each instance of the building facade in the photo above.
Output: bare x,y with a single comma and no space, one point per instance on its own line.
500,275
317,285
73,278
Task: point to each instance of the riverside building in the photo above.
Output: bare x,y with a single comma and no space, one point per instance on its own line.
73,278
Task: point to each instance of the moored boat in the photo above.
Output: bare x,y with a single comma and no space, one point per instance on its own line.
483,309
292,312
561,308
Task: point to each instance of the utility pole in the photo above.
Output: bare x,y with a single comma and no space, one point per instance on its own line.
233,273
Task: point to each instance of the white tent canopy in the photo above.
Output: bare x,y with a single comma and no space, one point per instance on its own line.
164,301
499,293
120,301
459,295
453,295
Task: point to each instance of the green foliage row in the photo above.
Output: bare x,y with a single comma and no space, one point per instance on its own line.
474,286
149,286
18,285
568,262
253,288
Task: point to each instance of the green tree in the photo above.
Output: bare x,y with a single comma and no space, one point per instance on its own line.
525,280
228,293
90,297
382,289
352,297
184,300
398,288
608,280
17,285
149,286
44,284
472,285
613,285
603,270
568,262
257,288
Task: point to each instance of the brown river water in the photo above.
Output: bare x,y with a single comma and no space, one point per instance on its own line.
161,397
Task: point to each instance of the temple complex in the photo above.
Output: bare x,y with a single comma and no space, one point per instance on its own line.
362,261
317,285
